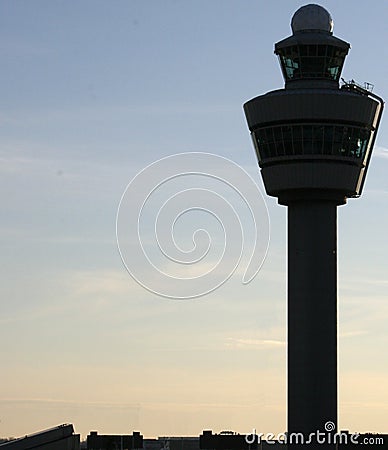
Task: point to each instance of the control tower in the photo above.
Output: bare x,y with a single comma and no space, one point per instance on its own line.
313,141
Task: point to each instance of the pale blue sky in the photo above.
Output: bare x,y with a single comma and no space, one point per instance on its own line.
92,92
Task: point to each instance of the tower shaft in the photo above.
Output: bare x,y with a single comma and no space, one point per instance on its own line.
312,315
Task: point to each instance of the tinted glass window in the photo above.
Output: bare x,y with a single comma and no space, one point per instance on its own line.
312,61
312,139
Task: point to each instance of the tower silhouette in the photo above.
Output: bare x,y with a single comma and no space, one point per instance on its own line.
313,141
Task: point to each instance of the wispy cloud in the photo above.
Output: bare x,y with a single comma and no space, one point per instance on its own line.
249,343
74,403
237,343
349,334
380,152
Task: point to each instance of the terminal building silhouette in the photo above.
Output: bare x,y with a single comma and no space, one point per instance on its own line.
313,140
97,441
63,437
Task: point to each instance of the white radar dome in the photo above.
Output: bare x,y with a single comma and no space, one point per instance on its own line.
312,17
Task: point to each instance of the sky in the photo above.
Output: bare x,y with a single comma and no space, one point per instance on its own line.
92,93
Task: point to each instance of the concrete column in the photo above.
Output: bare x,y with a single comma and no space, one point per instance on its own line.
312,316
